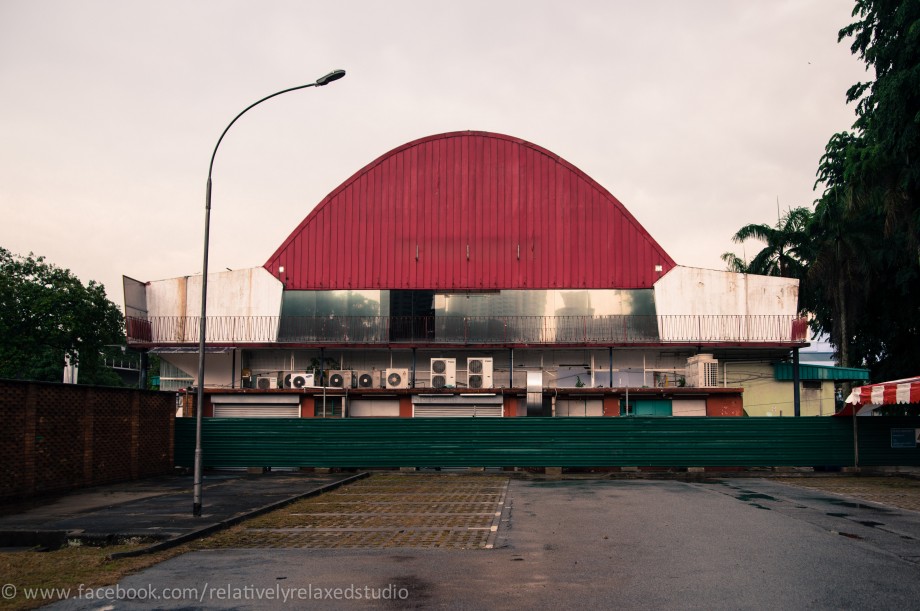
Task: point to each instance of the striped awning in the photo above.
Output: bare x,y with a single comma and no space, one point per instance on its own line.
896,392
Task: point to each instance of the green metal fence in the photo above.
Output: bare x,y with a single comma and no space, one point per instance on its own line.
540,442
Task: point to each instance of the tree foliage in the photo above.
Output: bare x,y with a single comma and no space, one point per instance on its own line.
861,246
47,313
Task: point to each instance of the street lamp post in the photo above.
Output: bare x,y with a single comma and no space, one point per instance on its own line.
196,491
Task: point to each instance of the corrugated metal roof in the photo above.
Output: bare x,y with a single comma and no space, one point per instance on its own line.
783,373
469,211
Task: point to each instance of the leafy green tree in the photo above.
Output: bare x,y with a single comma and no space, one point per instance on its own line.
866,262
47,313
886,35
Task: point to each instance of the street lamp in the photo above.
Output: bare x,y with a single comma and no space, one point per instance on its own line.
196,489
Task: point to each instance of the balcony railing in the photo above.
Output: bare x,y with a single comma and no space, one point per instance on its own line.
459,330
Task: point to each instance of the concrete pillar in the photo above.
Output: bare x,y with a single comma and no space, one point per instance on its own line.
796,383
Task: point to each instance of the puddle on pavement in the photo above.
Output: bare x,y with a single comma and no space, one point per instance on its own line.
850,504
747,496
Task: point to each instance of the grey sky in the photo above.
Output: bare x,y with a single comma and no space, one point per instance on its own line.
696,115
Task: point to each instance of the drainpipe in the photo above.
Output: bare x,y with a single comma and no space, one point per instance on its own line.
511,370
414,364
610,364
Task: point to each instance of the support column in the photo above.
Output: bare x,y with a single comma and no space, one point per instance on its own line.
414,365
511,369
322,366
142,374
796,382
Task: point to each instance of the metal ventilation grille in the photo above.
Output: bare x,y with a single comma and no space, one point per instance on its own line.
476,380
439,381
394,379
475,366
438,366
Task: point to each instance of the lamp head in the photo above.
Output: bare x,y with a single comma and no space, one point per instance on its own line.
332,76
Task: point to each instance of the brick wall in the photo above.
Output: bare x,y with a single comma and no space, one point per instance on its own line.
56,437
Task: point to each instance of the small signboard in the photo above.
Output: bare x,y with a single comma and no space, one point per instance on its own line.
904,438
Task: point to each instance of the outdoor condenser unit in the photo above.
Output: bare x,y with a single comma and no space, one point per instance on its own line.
396,378
479,372
339,378
444,373
367,379
702,371
301,380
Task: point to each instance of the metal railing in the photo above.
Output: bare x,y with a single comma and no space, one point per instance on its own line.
460,330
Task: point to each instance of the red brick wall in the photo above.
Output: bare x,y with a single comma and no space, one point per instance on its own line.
56,437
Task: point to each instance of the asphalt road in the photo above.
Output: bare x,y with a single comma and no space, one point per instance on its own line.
738,544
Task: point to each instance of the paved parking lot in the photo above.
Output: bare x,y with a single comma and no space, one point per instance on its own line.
633,544
902,492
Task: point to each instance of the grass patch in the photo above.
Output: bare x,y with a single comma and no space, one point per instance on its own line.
66,569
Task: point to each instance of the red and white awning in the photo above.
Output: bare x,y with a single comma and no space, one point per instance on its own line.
867,398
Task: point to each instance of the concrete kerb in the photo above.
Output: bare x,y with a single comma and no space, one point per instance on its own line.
213,528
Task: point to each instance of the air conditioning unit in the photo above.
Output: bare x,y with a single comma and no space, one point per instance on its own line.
287,379
340,378
396,378
299,380
367,379
479,372
702,371
443,373
267,381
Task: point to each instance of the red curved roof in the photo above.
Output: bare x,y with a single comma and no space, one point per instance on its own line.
469,211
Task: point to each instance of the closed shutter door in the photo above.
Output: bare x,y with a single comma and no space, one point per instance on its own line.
458,411
581,406
373,408
475,405
257,411
689,407
256,406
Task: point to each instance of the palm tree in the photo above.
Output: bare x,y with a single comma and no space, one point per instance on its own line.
787,249
786,242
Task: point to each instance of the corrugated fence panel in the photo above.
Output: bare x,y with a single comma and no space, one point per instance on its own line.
539,442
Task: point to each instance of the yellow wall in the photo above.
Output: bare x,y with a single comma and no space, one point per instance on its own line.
764,396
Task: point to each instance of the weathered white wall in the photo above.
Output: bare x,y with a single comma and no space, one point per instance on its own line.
691,290
244,292
709,305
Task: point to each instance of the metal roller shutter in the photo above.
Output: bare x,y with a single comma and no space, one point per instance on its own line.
256,406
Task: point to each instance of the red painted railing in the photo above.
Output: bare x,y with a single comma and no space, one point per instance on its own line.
447,330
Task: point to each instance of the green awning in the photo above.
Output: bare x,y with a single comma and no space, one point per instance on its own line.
783,372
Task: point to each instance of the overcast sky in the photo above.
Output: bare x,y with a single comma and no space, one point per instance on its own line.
697,116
